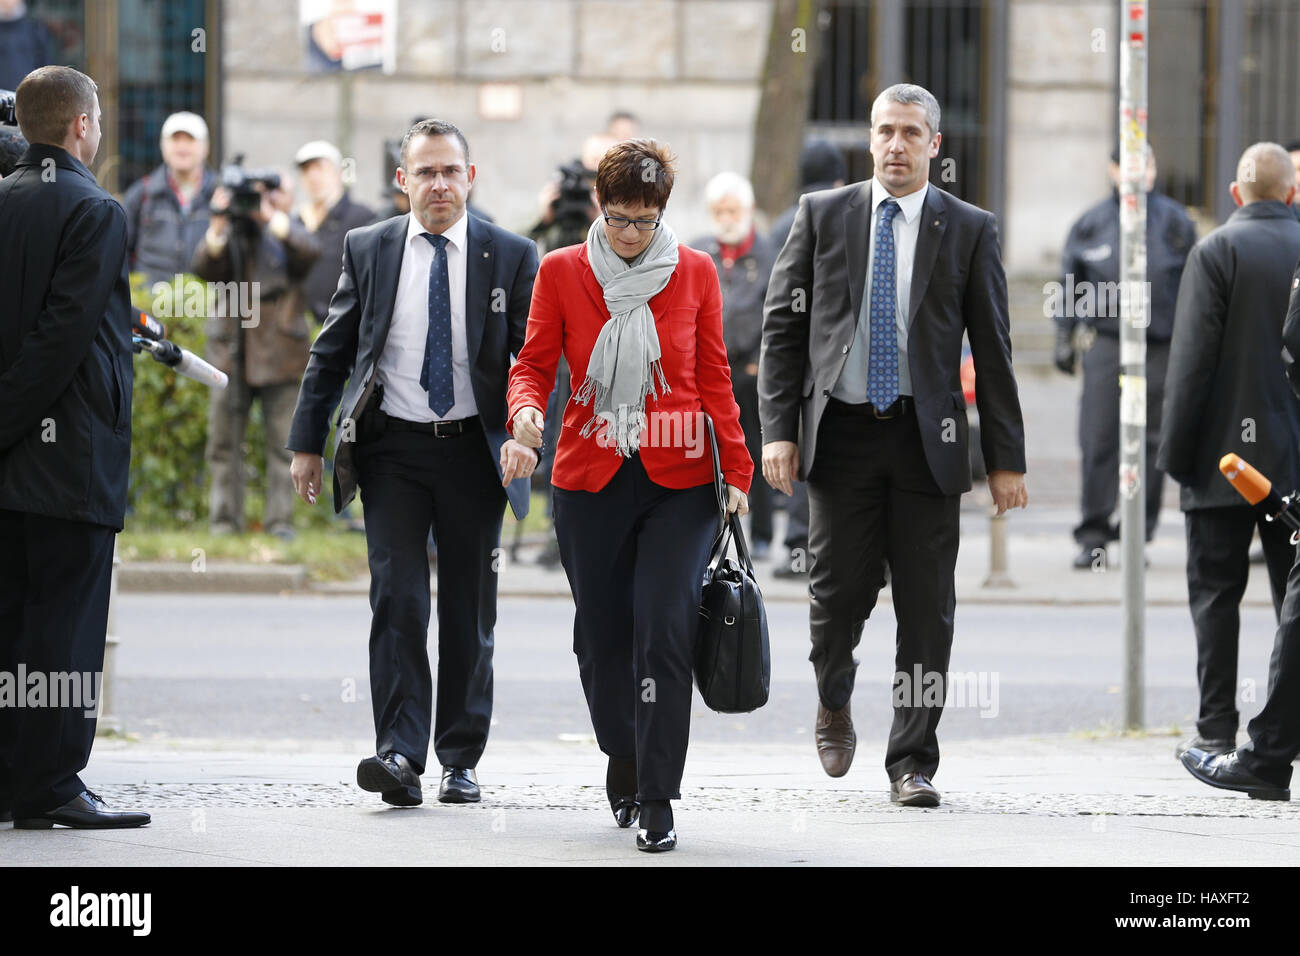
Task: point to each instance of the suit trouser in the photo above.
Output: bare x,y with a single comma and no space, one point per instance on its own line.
226,425
411,482
1218,566
872,499
635,554
54,586
1275,731
745,388
1099,439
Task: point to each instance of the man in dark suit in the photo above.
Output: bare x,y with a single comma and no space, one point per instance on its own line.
860,394
1226,392
65,444
1261,767
428,311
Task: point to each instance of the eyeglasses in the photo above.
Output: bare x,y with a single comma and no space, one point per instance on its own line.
619,222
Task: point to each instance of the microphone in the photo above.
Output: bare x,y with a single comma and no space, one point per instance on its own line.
1258,490
183,361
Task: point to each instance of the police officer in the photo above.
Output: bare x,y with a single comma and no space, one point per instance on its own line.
1090,298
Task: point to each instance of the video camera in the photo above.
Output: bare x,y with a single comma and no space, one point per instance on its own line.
8,114
245,196
572,207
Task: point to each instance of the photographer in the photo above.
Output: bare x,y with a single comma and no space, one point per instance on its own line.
252,242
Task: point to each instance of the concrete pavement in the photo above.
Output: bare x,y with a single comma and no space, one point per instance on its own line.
1026,801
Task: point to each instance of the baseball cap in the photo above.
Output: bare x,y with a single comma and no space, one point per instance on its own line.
185,122
318,149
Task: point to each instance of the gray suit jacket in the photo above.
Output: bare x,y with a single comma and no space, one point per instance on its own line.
958,286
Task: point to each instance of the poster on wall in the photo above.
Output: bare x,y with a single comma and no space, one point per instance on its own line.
341,35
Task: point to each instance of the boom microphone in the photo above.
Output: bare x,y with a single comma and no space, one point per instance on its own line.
1258,490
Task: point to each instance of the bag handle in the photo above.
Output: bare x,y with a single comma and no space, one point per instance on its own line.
719,484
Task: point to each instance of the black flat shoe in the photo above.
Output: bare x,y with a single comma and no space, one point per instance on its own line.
1226,772
620,790
654,841
391,776
459,785
83,812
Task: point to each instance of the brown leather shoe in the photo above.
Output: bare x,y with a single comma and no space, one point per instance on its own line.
836,740
913,790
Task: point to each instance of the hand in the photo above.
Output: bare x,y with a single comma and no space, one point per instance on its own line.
546,202
1065,356
528,423
1008,490
781,464
517,461
751,368
737,501
218,207
306,473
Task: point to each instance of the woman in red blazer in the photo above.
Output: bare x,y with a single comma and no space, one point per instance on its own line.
639,319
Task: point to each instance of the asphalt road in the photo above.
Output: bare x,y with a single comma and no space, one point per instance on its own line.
294,668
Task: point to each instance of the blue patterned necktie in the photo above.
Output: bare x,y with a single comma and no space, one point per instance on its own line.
436,376
882,373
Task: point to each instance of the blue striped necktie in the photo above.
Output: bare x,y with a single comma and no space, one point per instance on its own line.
435,377
882,373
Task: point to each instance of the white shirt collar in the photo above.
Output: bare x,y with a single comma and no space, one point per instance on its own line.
909,205
456,233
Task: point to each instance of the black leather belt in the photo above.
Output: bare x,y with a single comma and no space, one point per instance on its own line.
436,429
902,405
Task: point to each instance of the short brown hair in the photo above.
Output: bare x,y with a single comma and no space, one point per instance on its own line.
636,171
433,127
49,99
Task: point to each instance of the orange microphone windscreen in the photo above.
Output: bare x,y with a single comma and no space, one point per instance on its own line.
1250,484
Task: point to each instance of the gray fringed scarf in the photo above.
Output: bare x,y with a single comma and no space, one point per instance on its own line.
624,366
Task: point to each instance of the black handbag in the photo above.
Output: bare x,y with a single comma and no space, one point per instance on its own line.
733,662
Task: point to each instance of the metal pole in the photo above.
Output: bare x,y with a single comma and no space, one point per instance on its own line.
1134,305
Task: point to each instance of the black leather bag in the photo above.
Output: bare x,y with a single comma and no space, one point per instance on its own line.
733,663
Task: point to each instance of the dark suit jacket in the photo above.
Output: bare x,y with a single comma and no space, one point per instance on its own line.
1225,363
811,315
65,343
348,349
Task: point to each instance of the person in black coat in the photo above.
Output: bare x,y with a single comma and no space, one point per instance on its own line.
1091,267
1227,392
1261,767
418,348
65,443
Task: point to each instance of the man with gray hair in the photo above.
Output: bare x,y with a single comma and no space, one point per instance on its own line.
743,259
860,394
167,211
1226,392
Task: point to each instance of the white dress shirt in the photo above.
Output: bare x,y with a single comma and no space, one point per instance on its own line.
852,384
403,359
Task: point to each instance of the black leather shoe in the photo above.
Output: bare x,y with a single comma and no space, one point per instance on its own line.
654,841
1225,772
913,790
620,790
656,834
1092,556
1210,745
391,775
84,812
458,786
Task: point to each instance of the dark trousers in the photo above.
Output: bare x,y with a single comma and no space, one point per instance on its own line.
745,388
871,500
1099,439
1218,565
1275,731
410,483
227,420
635,554
54,585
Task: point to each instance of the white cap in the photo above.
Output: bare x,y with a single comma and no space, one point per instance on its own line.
319,149
185,122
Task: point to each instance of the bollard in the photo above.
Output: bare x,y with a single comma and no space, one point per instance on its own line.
109,724
998,575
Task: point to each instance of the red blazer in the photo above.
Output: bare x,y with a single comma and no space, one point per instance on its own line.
568,312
